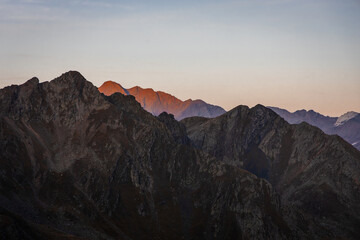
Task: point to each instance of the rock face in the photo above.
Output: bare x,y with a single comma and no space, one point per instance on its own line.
346,126
316,175
158,102
76,164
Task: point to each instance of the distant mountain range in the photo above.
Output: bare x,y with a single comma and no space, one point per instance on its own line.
346,126
157,102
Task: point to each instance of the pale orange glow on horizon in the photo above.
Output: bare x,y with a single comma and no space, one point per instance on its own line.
289,54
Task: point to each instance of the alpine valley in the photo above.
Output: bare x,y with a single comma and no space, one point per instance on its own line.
76,163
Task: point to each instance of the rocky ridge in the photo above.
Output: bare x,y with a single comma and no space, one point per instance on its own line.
76,164
346,126
158,102
316,174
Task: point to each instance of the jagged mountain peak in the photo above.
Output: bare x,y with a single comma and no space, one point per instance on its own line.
72,79
239,108
346,126
259,111
78,164
157,102
305,112
70,76
301,112
32,81
254,108
302,163
28,84
110,83
51,100
74,168
110,87
73,82
261,108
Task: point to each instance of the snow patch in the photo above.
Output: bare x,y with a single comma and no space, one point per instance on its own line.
345,117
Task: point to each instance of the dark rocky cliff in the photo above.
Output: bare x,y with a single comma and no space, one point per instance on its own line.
76,164
316,175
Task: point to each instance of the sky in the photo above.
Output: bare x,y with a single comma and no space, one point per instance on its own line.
293,54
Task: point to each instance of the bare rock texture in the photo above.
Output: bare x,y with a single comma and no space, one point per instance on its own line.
316,175
158,102
76,164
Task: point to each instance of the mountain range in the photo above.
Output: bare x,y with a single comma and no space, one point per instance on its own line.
77,164
346,126
158,102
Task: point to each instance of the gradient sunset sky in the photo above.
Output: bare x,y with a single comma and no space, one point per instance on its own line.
302,54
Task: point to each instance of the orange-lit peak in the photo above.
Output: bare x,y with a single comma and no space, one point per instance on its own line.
109,87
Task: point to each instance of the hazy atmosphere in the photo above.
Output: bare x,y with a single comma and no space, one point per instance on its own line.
284,53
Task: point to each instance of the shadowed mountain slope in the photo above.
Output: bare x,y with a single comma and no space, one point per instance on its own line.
316,174
76,164
158,102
